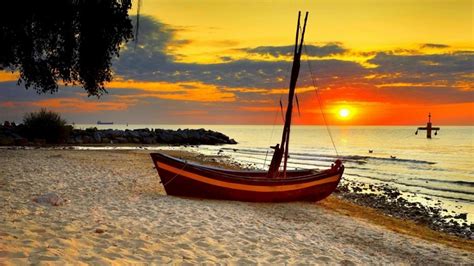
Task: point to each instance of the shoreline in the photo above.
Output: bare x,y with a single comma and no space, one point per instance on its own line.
115,210
395,224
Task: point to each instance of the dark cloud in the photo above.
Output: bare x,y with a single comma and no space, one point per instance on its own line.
424,64
399,76
151,61
11,91
226,58
154,42
240,73
310,50
434,45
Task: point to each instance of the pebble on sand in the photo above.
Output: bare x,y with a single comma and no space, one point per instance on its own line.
49,198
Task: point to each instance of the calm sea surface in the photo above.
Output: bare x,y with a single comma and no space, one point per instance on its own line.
434,170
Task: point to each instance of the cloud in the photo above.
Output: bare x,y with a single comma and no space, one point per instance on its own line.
68,105
152,61
433,71
155,39
310,50
185,91
260,77
6,76
151,79
450,63
238,73
434,46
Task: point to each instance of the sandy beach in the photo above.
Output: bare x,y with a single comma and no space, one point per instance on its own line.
116,211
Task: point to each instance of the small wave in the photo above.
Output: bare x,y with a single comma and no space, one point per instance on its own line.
349,158
358,157
393,180
301,163
458,182
426,192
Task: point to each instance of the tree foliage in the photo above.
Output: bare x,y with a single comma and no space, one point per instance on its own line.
45,125
69,41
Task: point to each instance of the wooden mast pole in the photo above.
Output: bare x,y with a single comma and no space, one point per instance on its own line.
282,149
294,77
286,127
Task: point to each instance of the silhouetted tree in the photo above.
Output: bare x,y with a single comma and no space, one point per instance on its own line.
72,41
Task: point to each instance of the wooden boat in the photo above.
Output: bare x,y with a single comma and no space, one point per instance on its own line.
183,178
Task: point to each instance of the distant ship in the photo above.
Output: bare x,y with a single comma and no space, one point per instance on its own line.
104,123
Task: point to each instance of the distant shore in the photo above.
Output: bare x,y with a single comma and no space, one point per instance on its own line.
15,136
111,208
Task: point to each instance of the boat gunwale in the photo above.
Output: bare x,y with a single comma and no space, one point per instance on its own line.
196,164
196,168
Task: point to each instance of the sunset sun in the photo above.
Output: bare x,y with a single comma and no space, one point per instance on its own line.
344,112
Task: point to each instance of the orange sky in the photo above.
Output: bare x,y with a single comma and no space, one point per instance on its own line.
228,62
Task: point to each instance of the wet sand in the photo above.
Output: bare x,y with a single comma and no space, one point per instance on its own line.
116,211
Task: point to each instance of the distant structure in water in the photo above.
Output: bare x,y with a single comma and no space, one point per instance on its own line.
428,128
104,123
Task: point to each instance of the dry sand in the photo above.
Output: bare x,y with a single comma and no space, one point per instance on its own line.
120,193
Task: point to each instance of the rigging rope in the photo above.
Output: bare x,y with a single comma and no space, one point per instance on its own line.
298,105
271,137
281,109
171,179
319,100
276,113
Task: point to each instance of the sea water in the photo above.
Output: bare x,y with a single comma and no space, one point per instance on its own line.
432,171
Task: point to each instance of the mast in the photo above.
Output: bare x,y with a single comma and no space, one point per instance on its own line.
283,148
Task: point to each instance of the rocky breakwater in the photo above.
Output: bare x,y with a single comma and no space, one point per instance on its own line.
149,136
11,134
16,135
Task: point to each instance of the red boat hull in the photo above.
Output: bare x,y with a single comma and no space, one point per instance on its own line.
181,178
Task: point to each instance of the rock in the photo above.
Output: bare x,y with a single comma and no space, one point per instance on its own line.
99,231
462,216
121,140
12,136
6,141
382,199
149,140
118,133
163,135
78,140
21,141
49,198
39,142
86,139
97,137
